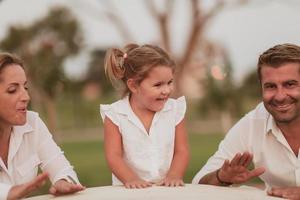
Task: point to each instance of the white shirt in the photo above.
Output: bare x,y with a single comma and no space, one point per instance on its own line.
31,146
258,134
149,155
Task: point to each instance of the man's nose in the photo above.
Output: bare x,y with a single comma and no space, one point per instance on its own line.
280,94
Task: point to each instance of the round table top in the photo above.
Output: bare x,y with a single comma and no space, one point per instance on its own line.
189,191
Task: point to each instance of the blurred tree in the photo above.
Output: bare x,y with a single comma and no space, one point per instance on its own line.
96,73
200,17
250,90
44,46
221,96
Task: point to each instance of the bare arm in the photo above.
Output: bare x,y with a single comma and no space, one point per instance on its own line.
181,158
114,156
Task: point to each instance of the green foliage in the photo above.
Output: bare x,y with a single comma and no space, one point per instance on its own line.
220,95
96,73
44,46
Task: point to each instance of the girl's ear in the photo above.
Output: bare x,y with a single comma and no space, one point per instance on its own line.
132,85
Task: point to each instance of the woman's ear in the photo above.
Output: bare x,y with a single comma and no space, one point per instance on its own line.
132,85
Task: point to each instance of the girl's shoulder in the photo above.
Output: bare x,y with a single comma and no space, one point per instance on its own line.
113,110
179,103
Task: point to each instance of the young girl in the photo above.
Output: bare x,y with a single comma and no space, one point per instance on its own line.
145,139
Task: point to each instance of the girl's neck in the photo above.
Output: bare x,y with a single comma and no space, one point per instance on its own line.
145,115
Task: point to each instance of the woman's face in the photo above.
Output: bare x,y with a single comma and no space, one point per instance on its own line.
14,97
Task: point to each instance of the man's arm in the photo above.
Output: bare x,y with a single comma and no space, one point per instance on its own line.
232,172
229,161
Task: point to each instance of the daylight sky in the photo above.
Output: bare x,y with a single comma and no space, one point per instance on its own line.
244,31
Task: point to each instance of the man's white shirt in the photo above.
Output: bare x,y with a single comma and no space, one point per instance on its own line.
258,134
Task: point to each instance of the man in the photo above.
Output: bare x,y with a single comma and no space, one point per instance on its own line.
269,135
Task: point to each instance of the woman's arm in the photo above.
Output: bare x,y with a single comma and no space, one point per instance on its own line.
181,158
114,155
61,174
22,190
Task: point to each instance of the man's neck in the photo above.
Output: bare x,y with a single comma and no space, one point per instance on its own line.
291,129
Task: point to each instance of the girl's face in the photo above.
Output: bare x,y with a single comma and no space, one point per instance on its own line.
14,97
153,92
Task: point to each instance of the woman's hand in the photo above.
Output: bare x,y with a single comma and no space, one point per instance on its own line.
21,191
62,187
171,182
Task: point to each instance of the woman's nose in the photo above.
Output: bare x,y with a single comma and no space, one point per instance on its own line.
25,96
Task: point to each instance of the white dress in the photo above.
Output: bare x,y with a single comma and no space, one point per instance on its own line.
149,155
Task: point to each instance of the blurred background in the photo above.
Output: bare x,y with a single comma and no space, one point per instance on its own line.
215,44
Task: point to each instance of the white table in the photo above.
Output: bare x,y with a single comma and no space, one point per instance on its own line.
188,192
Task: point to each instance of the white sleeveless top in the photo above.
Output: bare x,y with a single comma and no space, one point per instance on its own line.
148,155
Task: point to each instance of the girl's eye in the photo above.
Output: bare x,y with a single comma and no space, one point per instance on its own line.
170,82
157,84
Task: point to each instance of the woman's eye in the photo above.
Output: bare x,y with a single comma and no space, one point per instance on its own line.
11,91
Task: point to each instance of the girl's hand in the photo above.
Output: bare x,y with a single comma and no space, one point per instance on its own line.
138,183
62,187
21,191
171,182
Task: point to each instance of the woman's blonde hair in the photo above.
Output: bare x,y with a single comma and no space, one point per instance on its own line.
135,62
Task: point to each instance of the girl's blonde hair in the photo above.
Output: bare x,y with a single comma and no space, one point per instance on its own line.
135,62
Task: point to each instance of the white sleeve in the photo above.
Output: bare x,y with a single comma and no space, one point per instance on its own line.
4,189
107,111
180,109
236,140
52,158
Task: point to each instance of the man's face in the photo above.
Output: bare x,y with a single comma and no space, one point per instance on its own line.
281,91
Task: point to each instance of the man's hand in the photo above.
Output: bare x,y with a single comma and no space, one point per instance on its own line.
62,187
292,193
236,170
21,191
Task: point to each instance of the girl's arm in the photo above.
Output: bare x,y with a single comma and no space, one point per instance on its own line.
114,156
181,158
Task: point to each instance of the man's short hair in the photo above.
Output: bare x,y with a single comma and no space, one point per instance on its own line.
277,56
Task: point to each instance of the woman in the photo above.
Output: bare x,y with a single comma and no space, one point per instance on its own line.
25,142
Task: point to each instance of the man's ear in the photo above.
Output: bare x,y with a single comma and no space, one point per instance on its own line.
132,85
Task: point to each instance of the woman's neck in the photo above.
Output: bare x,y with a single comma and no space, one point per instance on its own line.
5,132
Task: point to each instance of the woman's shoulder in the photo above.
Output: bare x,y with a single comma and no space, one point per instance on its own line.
32,116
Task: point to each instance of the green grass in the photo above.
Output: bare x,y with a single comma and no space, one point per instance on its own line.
89,162
88,159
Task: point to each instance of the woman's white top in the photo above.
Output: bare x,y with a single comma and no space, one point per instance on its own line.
148,155
31,146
